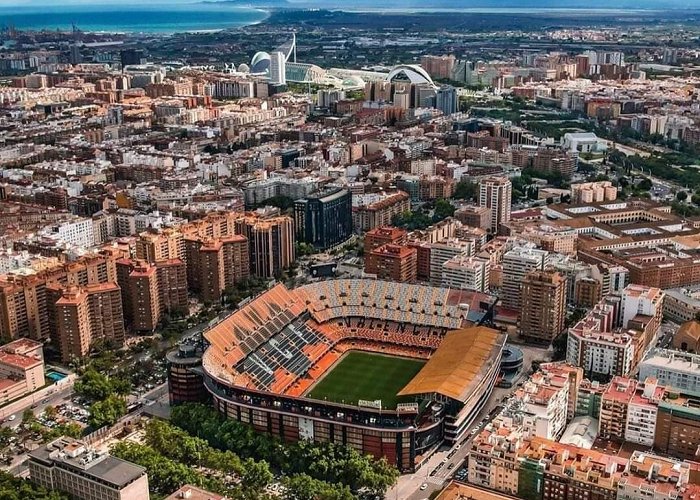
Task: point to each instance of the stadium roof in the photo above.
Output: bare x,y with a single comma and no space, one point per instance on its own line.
461,360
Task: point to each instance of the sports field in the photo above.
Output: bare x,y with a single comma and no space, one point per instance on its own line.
363,375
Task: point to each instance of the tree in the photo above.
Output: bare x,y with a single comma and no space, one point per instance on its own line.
327,462
645,184
304,249
27,416
5,434
466,190
412,220
14,488
50,412
121,386
443,210
681,196
304,487
93,386
106,412
164,475
257,475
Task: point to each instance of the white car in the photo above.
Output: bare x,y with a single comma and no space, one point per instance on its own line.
424,486
11,418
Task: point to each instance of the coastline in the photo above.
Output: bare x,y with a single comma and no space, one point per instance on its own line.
276,15
133,20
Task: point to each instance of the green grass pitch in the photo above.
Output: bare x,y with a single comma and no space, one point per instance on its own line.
363,375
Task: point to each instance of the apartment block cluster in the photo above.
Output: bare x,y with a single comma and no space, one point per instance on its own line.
128,286
553,440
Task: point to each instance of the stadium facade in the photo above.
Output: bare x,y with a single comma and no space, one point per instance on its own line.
264,360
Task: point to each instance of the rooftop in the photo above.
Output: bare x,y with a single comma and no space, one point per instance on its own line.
459,363
72,454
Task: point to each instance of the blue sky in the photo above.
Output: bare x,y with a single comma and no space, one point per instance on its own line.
394,3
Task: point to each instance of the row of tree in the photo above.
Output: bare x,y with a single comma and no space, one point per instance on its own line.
325,462
173,458
106,396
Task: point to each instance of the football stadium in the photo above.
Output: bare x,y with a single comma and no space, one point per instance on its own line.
392,369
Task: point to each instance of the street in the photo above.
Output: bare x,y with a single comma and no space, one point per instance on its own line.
408,486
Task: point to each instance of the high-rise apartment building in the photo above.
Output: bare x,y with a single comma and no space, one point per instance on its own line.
446,100
172,286
394,262
678,426
151,290
438,66
380,236
377,211
474,216
270,243
543,306
23,298
495,193
85,315
145,299
164,245
517,263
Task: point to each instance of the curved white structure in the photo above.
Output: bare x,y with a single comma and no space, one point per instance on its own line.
260,63
410,73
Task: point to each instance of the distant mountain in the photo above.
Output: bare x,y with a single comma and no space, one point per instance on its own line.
505,4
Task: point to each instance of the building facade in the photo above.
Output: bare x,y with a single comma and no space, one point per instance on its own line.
324,220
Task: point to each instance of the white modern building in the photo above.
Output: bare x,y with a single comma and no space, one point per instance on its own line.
466,273
278,68
496,194
674,369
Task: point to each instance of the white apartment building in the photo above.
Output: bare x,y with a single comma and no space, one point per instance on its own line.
638,299
674,369
442,252
600,352
79,233
466,273
496,194
642,409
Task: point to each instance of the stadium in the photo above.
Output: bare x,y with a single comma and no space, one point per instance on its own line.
391,369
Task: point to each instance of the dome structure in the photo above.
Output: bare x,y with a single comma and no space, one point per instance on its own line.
409,73
243,68
353,81
260,63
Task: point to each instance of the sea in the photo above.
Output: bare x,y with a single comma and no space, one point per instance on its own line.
196,17
201,16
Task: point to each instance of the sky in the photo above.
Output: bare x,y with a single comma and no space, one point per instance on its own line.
457,3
